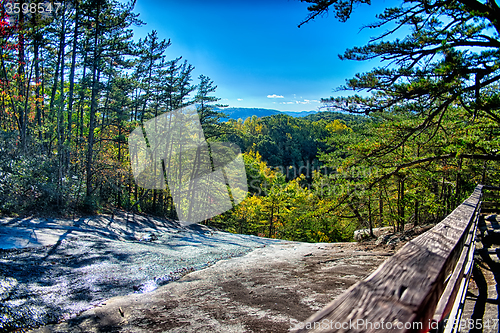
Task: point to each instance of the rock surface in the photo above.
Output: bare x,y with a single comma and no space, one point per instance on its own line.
92,274
52,269
270,289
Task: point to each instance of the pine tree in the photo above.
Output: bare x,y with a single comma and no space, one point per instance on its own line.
108,29
436,102
148,71
210,117
449,58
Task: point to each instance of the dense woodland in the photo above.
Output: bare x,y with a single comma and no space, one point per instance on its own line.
75,84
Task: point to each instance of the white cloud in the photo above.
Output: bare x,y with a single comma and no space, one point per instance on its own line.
307,101
286,103
240,99
275,96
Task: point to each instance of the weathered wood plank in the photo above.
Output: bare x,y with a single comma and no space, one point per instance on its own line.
491,187
491,204
452,285
404,291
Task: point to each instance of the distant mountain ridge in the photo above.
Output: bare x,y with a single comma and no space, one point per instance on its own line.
244,113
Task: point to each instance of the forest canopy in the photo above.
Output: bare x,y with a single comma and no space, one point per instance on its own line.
404,145
436,94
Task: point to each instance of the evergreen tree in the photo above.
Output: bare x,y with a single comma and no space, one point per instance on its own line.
108,29
210,117
449,58
148,71
435,104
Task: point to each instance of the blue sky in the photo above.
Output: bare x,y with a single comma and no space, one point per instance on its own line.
254,51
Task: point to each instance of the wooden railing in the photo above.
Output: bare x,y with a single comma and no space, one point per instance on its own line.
421,288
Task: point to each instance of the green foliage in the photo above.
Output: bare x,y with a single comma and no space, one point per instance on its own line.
434,110
210,118
89,86
29,183
276,208
288,143
422,140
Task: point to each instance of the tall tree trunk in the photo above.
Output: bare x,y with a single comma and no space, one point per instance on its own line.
417,213
22,120
81,100
155,195
370,221
271,217
356,213
380,207
93,105
483,175
42,77
72,74
401,205
36,58
56,74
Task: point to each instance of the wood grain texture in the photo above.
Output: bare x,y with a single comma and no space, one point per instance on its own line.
452,285
405,289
